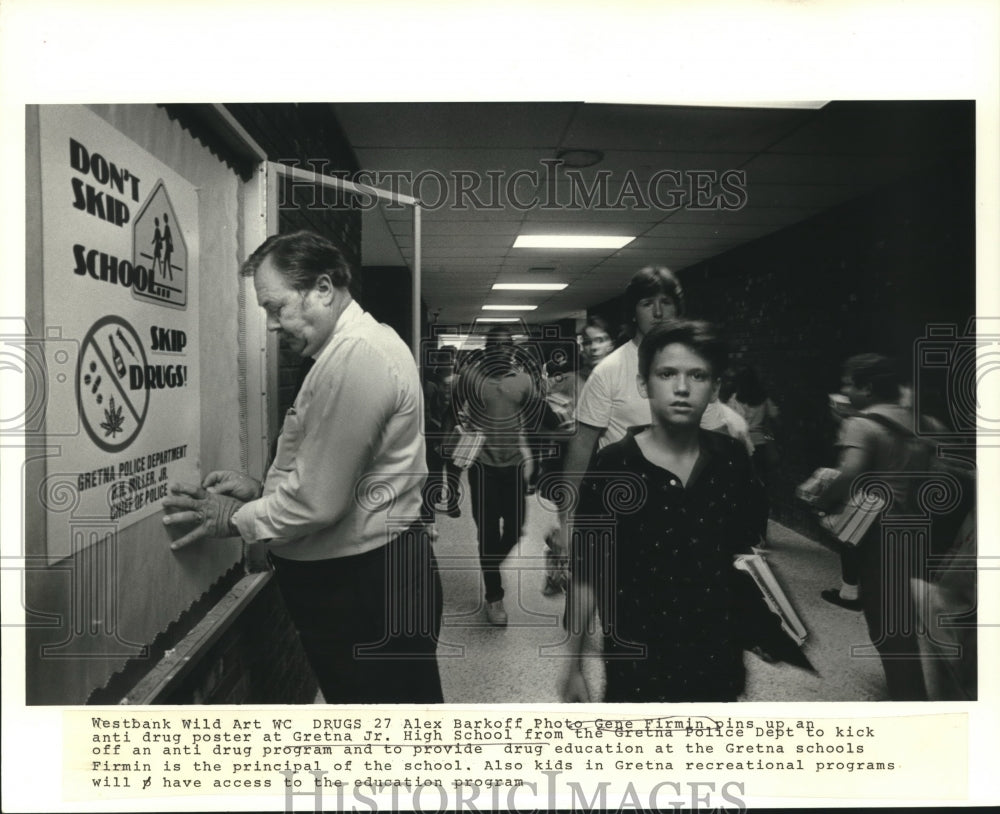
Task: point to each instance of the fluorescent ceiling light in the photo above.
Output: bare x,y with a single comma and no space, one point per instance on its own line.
498,319
529,286
572,241
509,307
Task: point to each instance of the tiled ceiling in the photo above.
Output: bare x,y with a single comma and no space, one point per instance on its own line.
798,163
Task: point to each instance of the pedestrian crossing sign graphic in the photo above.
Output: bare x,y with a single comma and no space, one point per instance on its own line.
158,245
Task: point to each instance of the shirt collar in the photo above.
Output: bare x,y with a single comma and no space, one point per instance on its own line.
708,451
351,314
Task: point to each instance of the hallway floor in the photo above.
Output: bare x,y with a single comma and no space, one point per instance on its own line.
522,662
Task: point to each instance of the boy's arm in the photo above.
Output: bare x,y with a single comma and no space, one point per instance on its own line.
853,462
578,455
585,564
579,620
854,442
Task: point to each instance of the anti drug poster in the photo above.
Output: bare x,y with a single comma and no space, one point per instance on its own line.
120,258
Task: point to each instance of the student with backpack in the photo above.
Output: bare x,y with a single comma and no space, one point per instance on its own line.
878,438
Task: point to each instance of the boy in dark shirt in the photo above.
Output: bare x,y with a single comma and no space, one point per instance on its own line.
661,515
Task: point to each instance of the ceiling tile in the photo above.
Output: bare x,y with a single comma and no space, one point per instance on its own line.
883,127
682,230
483,253
476,124
797,163
430,228
466,241
422,166
679,129
763,215
454,262
819,169
617,166
681,243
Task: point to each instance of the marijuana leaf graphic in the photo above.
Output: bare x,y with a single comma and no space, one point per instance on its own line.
113,420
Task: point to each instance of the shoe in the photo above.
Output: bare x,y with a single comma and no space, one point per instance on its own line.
496,614
832,595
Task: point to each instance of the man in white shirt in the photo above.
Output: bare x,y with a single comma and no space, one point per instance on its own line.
340,505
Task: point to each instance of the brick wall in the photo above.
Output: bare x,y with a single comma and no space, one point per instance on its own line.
307,136
259,660
386,294
867,276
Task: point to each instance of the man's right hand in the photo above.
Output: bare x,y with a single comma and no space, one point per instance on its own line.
234,484
573,686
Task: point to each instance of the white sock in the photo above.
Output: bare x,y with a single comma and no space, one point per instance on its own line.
848,592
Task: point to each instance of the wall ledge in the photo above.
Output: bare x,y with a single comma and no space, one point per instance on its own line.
179,661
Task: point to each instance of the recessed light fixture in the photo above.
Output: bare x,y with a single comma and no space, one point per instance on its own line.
572,241
529,286
470,341
451,339
498,319
509,307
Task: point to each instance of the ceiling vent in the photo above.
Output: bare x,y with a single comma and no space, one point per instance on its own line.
541,269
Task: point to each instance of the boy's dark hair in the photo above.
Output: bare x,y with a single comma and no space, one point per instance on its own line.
695,334
301,257
877,371
648,282
748,387
599,322
499,335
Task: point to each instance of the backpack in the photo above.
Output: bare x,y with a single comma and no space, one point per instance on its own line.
945,524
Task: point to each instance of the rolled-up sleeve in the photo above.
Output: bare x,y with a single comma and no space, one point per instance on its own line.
327,444
856,433
595,403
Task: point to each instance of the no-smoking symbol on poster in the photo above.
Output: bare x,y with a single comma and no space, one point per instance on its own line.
112,412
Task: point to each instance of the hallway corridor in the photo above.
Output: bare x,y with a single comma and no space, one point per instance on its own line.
522,662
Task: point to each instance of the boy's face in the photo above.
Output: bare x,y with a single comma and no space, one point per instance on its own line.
861,397
653,310
596,344
680,386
